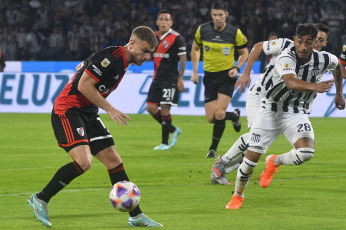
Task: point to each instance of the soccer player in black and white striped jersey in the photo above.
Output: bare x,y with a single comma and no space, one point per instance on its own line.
285,108
234,156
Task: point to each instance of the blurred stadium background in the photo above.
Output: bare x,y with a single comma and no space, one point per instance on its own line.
72,29
43,40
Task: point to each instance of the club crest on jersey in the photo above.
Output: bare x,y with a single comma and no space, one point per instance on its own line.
165,44
273,43
105,62
80,131
344,48
226,50
287,65
207,48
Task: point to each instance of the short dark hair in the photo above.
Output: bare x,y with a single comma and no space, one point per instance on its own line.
144,33
163,11
273,34
306,29
322,27
219,5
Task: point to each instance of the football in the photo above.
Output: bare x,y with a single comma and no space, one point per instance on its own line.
124,196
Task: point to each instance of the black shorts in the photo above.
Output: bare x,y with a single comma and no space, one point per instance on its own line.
218,82
76,128
163,92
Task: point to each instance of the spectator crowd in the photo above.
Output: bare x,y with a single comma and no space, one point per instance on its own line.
73,29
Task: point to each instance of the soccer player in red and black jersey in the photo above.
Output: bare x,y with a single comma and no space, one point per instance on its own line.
78,128
167,80
342,60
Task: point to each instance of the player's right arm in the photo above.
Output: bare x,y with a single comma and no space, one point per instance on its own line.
339,96
285,65
293,83
86,86
244,79
195,56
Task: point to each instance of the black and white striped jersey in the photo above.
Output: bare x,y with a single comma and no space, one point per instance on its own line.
279,98
274,48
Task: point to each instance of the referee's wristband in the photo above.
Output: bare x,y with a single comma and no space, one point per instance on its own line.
238,69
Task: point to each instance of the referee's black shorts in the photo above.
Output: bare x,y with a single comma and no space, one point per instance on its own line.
76,128
217,82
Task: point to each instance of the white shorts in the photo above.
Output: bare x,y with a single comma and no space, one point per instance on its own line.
253,102
268,126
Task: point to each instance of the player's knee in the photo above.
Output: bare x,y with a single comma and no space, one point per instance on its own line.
85,163
256,149
210,119
151,109
220,114
303,155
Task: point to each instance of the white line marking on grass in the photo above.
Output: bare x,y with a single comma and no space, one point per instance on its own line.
5,170
190,185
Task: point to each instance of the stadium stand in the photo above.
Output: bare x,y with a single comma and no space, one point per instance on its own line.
72,29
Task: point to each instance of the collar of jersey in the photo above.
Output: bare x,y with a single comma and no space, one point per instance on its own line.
163,36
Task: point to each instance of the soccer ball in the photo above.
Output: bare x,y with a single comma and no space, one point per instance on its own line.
124,196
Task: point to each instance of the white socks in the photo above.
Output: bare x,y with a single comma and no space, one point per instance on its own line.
243,176
295,157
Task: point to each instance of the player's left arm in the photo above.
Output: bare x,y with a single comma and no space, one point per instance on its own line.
180,42
343,70
339,96
241,46
182,65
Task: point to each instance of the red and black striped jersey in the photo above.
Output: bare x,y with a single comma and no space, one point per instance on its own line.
166,56
342,57
106,66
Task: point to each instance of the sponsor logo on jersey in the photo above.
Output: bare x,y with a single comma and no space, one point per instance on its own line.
105,62
207,48
165,44
226,50
217,38
105,90
116,77
161,55
99,72
80,131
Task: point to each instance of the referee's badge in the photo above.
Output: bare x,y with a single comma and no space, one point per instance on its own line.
105,62
80,131
165,44
226,50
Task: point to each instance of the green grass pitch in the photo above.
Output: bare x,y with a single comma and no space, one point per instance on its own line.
174,184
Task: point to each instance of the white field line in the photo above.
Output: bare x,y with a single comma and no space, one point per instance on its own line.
191,185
